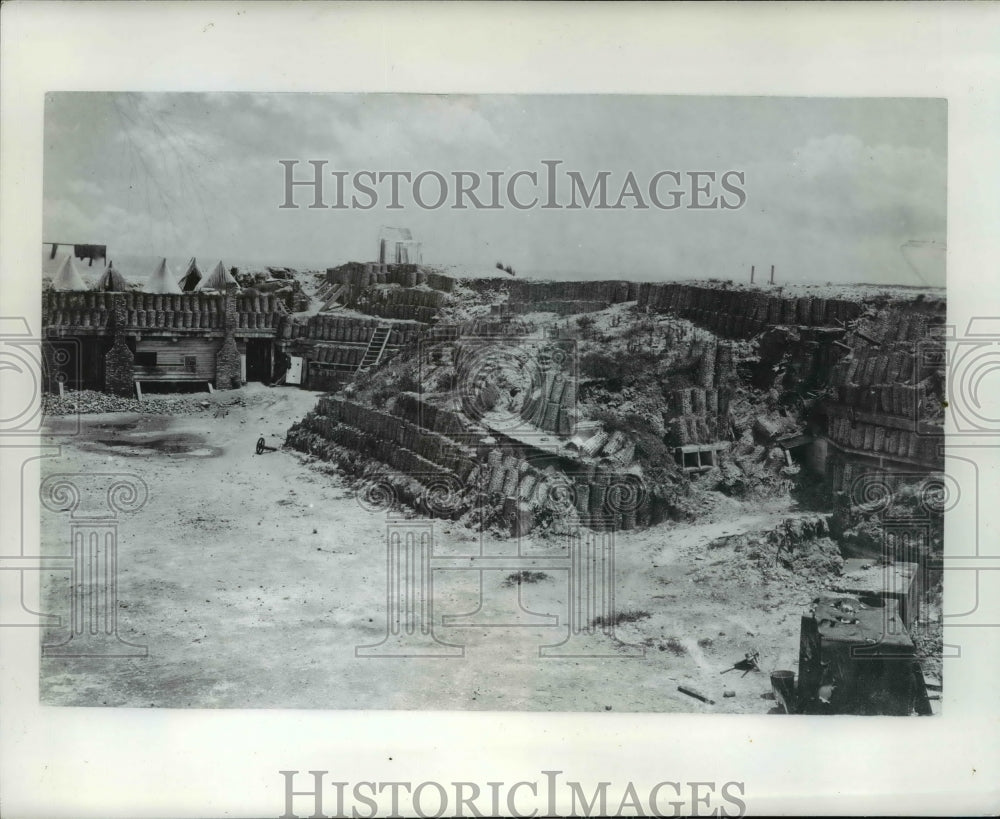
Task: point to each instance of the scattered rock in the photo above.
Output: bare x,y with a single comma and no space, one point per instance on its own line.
89,402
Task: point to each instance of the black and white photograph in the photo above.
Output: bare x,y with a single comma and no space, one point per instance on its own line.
486,415
498,409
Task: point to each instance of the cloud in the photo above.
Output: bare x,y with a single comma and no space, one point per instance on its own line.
835,186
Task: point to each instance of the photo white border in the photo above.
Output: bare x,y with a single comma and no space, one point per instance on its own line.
131,763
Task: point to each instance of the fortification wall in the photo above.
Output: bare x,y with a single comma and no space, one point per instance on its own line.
517,489
188,311
388,438
552,407
348,329
412,408
857,366
743,313
361,275
884,401
413,303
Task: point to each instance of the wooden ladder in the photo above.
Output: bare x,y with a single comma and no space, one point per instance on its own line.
332,296
376,348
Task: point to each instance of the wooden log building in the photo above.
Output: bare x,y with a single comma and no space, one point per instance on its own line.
123,340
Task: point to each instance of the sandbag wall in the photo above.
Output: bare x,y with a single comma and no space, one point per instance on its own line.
889,389
332,340
897,445
524,492
515,491
156,311
444,283
348,329
257,311
552,407
412,408
75,309
360,275
335,345
342,340
385,437
742,313
700,414
415,304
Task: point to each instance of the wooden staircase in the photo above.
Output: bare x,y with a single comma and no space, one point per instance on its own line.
376,348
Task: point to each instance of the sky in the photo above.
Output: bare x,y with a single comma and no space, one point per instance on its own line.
837,190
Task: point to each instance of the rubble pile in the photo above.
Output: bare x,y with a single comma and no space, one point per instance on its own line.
801,545
280,282
859,518
465,304
87,402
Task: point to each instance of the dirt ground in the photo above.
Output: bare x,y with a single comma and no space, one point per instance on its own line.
252,578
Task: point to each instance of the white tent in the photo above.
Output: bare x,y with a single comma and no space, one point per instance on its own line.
68,277
161,281
218,279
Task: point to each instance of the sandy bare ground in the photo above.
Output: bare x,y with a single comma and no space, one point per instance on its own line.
252,579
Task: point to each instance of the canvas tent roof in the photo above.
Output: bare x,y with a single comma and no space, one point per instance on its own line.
161,281
111,280
191,277
218,279
68,277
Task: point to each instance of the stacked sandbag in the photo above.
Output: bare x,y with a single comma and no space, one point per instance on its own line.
743,312
389,438
698,415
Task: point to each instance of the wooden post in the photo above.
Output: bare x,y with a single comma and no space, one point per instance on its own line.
751,273
772,274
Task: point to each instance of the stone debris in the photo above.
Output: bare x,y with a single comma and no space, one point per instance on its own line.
88,402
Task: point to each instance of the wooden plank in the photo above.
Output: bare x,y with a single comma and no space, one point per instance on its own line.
175,375
138,390
171,353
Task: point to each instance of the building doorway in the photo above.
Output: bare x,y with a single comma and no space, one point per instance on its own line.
259,359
